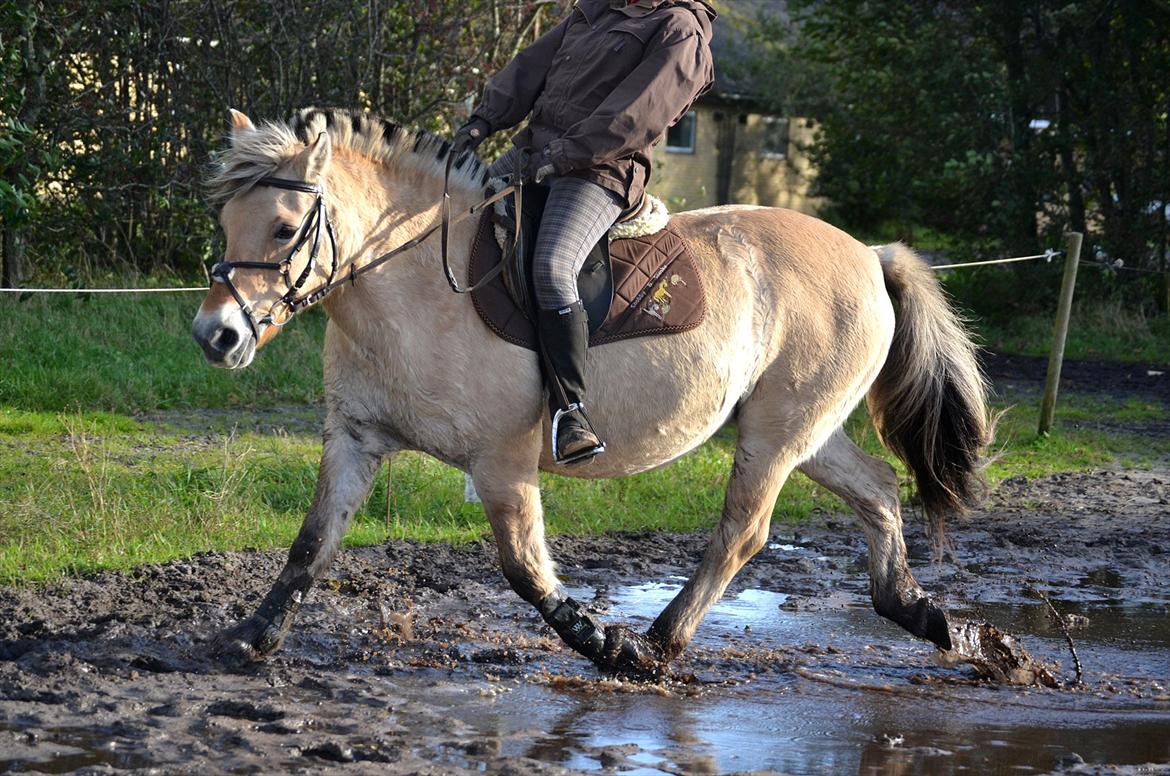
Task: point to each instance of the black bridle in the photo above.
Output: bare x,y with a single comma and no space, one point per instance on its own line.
317,221
223,270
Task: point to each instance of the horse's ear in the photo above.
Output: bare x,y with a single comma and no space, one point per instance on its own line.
241,124
318,156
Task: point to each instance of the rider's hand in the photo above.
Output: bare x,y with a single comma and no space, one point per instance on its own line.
539,167
470,135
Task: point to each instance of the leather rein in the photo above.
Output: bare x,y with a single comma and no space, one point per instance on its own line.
317,224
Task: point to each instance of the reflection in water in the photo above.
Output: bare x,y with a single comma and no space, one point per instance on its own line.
67,752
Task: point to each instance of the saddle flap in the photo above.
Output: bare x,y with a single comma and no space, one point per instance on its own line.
638,286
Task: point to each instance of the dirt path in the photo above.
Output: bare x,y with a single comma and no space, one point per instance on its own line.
418,659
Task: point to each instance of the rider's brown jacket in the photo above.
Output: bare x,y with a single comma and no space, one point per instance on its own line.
603,86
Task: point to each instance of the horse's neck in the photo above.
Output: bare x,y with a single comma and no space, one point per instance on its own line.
386,309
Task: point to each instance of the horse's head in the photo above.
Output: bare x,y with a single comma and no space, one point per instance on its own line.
279,242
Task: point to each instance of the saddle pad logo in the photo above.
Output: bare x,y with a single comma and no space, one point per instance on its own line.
658,305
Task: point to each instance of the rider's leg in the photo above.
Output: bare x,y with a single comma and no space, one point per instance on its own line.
577,215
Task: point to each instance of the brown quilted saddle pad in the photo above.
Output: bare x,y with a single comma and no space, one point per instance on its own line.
656,289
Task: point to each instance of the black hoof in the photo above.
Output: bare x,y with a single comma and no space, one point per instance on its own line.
631,654
922,618
937,630
250,641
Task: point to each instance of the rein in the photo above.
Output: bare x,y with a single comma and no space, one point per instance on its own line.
294,302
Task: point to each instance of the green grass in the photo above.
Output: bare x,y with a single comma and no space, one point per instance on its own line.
1100,330
103,466
86,491
126,354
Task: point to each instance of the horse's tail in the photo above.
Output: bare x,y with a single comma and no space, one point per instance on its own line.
929,402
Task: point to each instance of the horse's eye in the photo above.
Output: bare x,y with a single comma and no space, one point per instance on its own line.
285,232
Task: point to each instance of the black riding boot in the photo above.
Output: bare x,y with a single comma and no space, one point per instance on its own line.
564,338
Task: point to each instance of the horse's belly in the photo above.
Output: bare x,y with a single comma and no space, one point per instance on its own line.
653,400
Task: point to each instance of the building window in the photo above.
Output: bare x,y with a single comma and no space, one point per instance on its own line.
775,138
680,139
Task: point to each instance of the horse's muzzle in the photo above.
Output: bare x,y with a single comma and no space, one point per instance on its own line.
226,342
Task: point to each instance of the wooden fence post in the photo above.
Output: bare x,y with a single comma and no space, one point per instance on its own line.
1072,257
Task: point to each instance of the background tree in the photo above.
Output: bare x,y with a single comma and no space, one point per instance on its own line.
129,98
24,52
999,124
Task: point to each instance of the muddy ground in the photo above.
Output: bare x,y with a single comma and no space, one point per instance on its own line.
419,659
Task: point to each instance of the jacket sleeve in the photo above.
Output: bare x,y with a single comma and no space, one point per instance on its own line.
642,107
512,92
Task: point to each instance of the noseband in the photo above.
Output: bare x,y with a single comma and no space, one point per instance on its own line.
318,218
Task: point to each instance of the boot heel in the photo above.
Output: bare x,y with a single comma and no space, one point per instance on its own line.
578,425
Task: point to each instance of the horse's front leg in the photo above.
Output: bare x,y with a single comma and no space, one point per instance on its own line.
506,482
348,463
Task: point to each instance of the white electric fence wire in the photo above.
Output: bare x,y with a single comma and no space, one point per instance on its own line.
100,290
1048,255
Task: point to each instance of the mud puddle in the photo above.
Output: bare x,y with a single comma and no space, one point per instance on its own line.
855,697
418,659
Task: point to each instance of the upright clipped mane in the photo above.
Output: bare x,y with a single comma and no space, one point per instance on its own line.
254,155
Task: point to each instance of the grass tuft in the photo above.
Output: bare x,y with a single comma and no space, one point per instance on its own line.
126,354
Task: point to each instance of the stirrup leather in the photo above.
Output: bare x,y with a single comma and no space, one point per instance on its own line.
582,455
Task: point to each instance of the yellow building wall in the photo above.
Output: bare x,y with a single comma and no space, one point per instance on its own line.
758,179
686,181
689,181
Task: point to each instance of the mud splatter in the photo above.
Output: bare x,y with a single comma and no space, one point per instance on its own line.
995,656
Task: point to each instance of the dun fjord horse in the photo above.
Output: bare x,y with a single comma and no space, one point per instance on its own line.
803,322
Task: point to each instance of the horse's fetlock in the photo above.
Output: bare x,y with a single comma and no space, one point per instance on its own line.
576,627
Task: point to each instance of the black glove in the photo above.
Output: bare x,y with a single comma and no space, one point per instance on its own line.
470,135
539,168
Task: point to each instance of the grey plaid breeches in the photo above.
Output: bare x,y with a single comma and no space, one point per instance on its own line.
577,216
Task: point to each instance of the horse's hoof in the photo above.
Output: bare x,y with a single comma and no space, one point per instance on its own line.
631,654
250,641
938,630
922,618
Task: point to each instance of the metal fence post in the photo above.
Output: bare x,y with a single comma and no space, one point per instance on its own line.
1072,257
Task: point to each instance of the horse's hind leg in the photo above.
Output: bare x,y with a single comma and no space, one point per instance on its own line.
870,487
769,446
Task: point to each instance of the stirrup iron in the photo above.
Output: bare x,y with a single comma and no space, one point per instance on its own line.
581,455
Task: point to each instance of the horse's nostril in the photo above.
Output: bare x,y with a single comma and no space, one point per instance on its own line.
225,339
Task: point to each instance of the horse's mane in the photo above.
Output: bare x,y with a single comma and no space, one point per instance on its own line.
253,155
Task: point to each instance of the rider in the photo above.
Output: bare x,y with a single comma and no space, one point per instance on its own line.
602,86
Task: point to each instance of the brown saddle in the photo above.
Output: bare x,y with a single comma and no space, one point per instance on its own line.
631,287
